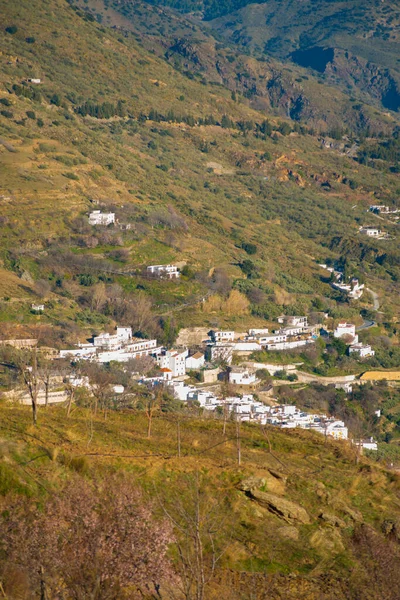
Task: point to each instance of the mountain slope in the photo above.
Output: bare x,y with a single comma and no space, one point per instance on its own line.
196,173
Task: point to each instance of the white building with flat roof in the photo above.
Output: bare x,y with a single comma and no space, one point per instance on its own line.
346,330
242,376
96,217
371,231
222,336
362,350
293,320
164,271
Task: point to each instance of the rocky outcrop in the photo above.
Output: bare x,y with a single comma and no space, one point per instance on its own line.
331,519
282,508
379,82
273,481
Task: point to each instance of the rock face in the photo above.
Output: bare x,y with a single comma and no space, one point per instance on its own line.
380,83
332,520
285,509
273,481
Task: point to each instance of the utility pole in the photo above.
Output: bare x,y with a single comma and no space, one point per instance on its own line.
239,454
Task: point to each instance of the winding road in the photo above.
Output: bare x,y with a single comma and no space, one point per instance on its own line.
368,323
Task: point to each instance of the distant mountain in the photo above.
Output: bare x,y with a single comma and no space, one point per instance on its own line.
353,44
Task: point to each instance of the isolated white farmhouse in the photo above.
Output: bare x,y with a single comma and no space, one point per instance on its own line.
164,271
96,217
37,307
371,231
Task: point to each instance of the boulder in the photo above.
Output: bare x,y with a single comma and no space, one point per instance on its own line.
332,520
285,509
327,542
268,483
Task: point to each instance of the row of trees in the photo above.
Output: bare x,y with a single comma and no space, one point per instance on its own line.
106,110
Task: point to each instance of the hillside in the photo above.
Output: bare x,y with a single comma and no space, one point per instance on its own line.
297,519
196,173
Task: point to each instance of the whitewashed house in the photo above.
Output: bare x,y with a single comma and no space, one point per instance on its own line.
37,307
174,360
222,336
371,231
347,387
196,361
164,271
363,350
293,320
242,376
257,332
220,351
346,330
96,217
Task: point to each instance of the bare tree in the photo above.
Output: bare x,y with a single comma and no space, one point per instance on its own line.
26,363
152,404
198,519
140,315
98,297
100,385
45,372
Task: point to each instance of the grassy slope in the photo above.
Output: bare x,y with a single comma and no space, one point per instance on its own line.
320,477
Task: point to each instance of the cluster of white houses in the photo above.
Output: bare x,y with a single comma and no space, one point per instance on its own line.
247,408
119,347
295,333
219,347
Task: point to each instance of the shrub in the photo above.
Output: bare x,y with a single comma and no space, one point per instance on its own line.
5,101
70,175
12,29
249,248
30,114
7,113
30,40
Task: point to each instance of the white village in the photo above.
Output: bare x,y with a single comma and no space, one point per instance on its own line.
226,378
